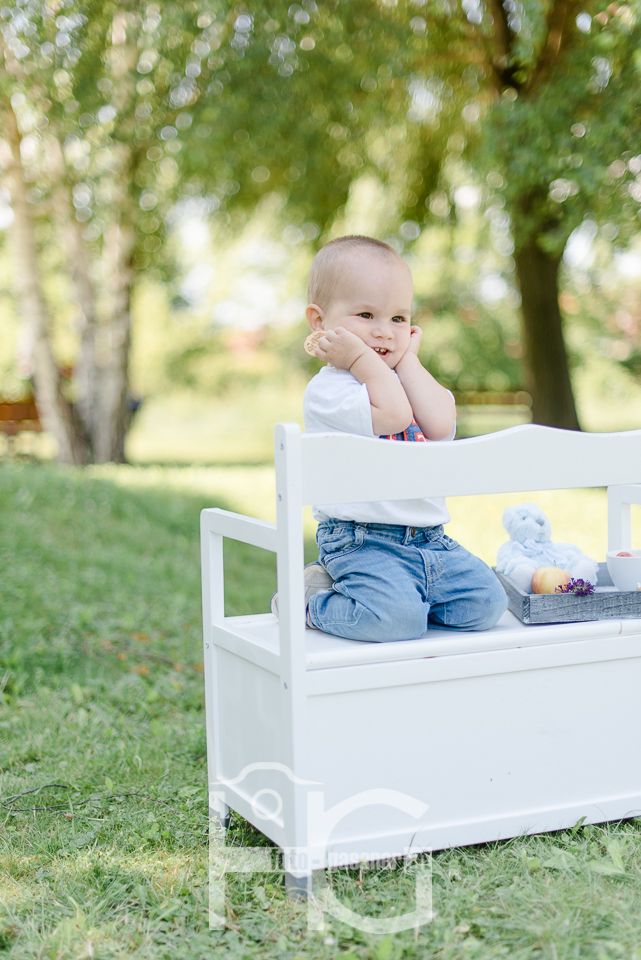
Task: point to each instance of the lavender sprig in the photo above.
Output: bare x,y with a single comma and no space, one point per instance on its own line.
580,588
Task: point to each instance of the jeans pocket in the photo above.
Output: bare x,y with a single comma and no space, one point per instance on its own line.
328,533
338,542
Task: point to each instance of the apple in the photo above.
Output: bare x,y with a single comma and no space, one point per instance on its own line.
624,553
547,579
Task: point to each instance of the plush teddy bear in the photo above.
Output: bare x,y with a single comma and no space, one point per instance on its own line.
530,547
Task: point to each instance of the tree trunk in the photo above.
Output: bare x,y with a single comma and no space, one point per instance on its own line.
112,414
55,409
545,354
113,334
102,369
84,373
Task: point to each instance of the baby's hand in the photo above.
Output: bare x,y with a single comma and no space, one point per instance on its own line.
340,347
416,335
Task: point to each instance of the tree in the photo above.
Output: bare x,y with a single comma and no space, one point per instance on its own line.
60,413
545,95
94,137
564,131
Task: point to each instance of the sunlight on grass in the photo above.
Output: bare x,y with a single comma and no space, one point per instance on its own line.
13,893
196,428
577,516
192,428
250,490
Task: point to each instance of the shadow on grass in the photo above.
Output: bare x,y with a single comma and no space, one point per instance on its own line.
91,566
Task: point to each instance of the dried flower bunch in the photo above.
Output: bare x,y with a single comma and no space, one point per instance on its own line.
580,588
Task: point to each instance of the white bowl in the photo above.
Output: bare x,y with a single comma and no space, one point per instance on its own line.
625,571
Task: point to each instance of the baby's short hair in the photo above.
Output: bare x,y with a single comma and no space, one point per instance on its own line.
330,261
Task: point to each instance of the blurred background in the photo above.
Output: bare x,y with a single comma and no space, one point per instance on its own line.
170,169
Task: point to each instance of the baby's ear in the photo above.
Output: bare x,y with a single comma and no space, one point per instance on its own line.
315,317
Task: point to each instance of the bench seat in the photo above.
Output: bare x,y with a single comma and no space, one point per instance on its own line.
324,651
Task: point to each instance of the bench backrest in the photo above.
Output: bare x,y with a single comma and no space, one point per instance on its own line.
337,468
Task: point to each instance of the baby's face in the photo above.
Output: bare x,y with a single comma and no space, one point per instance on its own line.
373,299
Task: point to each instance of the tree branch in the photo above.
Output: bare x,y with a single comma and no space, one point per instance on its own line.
559,18
499,59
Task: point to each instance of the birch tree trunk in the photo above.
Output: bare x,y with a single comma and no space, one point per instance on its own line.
112,349
113,333
84,373
56,411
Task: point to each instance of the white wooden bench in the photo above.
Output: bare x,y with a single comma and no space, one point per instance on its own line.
447,740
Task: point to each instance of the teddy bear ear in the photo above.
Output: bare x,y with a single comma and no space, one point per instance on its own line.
508,516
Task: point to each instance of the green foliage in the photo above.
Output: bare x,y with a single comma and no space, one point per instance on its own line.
562,146
230,104
602,306
80,77
306,98
167,108
328,93
472,353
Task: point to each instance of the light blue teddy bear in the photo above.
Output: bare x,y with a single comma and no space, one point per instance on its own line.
530,547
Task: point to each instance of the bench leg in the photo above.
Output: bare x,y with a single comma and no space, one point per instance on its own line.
221,814
309,889
298,888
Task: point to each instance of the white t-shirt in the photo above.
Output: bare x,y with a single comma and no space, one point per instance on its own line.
335,402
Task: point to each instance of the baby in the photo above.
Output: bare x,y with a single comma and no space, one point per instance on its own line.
386,569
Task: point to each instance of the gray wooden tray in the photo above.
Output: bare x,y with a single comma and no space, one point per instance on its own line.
607,603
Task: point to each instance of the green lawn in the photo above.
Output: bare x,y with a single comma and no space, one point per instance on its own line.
101,718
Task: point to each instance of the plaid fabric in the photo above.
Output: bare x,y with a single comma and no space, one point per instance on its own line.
412,433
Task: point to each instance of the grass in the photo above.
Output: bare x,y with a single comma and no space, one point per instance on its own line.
101,715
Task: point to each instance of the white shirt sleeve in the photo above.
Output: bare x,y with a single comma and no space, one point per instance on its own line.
335,401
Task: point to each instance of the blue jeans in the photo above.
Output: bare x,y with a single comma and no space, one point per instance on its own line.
390,582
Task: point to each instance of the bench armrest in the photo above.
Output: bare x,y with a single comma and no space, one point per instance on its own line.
235,526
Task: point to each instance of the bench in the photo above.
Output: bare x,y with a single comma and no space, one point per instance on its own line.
342,751
19,415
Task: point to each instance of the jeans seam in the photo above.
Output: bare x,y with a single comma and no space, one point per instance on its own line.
438,567
358,610
444,616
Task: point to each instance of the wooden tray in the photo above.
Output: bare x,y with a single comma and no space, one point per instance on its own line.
607,603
